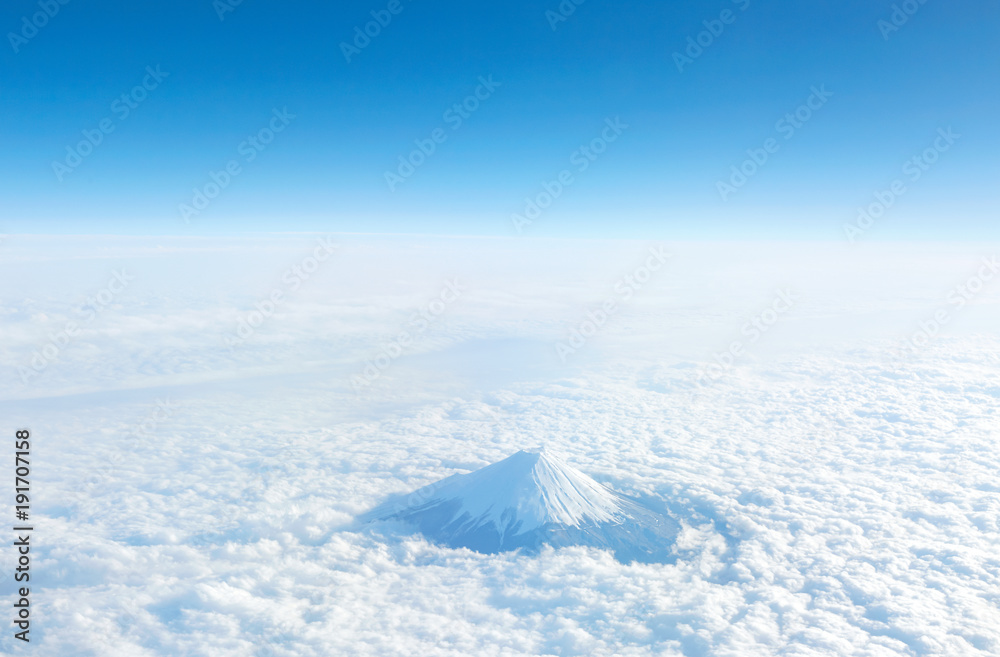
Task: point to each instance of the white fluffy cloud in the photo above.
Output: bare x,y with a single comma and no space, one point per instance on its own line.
198,499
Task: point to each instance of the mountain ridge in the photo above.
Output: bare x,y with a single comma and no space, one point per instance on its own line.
530,499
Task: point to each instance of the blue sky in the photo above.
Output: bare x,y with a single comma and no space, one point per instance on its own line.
554,85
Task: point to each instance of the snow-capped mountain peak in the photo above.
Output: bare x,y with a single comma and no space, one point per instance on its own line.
529,499
538,487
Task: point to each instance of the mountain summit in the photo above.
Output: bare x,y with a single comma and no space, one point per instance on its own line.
530,499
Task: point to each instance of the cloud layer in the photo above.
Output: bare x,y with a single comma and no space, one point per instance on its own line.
199,499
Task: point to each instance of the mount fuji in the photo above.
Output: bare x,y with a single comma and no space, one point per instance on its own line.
528,500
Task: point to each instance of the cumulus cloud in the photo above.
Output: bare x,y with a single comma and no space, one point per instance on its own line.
833,500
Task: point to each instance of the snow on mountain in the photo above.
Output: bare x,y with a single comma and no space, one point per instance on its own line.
530,499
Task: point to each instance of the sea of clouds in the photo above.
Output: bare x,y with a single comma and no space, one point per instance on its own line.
196,482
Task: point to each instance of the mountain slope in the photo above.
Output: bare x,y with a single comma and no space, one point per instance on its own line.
530,499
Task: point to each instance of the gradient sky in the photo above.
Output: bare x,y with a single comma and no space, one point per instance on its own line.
326,170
